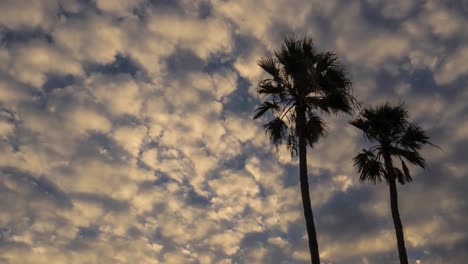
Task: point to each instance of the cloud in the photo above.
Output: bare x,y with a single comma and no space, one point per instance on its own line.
126,133
119,93
89,121
453,67
94,39
183,31
394,9
120,7
31,62
443,22
24,14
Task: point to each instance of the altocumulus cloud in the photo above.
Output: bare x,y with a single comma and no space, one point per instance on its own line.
126,133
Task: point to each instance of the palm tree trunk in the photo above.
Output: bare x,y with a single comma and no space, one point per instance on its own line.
397,222
309,217
395,212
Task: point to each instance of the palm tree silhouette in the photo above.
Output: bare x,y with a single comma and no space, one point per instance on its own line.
302,83
396,140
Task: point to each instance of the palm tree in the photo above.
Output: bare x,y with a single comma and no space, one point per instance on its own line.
396,140
302,84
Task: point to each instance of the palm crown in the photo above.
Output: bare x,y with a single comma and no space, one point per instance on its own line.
301,79
397,139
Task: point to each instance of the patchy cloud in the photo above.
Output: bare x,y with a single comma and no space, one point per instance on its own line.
126,133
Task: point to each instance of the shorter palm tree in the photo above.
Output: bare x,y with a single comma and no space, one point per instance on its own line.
396,140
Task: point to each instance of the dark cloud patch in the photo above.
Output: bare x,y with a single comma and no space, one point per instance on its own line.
133,232
323,26
40,185
184,61
272,254
240,101
84,237
445,188
253,239
343,219
127,120
205,9
77,245
158,238
8,115
161,179
235,163
107,203
218,62
88,232
386,83
460,7
9,38
297,230
422,81
100,146
291,176
164,4
192,198
57,81
455,254
144,10
13,245
121,65
373,13
244,44
386,257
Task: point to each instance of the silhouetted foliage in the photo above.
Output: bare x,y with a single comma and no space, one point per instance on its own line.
301,77
396,140
388,126
302,84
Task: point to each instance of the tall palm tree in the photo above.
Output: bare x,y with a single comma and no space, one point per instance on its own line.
396,140
302,84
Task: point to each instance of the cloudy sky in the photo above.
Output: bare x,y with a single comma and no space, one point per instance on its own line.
126,132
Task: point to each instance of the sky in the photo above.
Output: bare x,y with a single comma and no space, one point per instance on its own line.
126,132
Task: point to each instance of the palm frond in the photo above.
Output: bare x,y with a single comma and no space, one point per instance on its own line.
333,74
384,122
264,107
398,175
369,167
296,54
268,64
271,87
308,47
317,102
414,137
339,102
276,129
360,123
364,125
388,118
406,173
315,129
412,156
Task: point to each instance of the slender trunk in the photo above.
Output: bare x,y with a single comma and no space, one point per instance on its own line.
395,213
309,217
